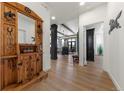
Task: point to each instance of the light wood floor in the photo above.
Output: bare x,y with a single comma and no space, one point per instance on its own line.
65,75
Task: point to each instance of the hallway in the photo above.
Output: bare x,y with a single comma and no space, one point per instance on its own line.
65,75
38,42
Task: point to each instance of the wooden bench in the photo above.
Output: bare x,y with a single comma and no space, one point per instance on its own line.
75,59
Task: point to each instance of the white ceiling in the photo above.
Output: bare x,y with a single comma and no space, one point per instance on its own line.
65,11
68,13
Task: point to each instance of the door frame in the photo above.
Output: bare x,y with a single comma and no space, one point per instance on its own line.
85,44
83,29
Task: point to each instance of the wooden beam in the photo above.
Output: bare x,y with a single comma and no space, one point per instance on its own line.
61,33
68,28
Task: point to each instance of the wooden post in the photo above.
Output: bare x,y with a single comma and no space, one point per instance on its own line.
53,41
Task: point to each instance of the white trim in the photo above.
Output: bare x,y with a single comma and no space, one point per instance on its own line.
85,62
114,81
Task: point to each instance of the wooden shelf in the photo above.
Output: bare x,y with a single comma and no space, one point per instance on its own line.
29,53
5,57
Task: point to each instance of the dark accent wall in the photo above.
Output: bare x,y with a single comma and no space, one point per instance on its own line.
53,41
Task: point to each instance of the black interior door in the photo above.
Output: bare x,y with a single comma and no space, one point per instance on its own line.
90,44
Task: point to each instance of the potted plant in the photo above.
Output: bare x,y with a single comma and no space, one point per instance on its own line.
100,50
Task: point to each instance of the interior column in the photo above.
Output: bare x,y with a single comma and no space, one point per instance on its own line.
53,41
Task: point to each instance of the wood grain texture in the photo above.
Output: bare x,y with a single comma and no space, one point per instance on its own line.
65,75
14,66
18,87
1,53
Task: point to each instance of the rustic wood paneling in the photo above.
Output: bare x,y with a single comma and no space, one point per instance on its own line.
9,40
25,10
39,33
10,71
9,14
19,63
1,74
27,66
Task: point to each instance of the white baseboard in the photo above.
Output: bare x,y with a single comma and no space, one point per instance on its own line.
114,81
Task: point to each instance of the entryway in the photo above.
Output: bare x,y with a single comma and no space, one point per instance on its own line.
93,43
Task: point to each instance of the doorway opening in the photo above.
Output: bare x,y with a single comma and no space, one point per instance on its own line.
93,43
72,45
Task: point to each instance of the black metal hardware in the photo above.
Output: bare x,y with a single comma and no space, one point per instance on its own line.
9,15
33,39
14,66
38,59
38,74
20,82
39,29
27,10
39,26
20,64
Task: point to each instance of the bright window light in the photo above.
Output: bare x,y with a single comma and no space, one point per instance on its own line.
53,17
82,3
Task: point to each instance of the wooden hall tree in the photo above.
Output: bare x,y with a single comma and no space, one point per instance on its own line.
20,63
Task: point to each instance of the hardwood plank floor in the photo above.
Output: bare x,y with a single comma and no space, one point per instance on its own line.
64,75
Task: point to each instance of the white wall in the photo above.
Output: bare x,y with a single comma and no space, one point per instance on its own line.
114,46
44,14
93,16
98,37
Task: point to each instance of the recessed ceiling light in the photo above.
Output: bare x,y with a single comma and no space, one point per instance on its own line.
82,3
53,17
